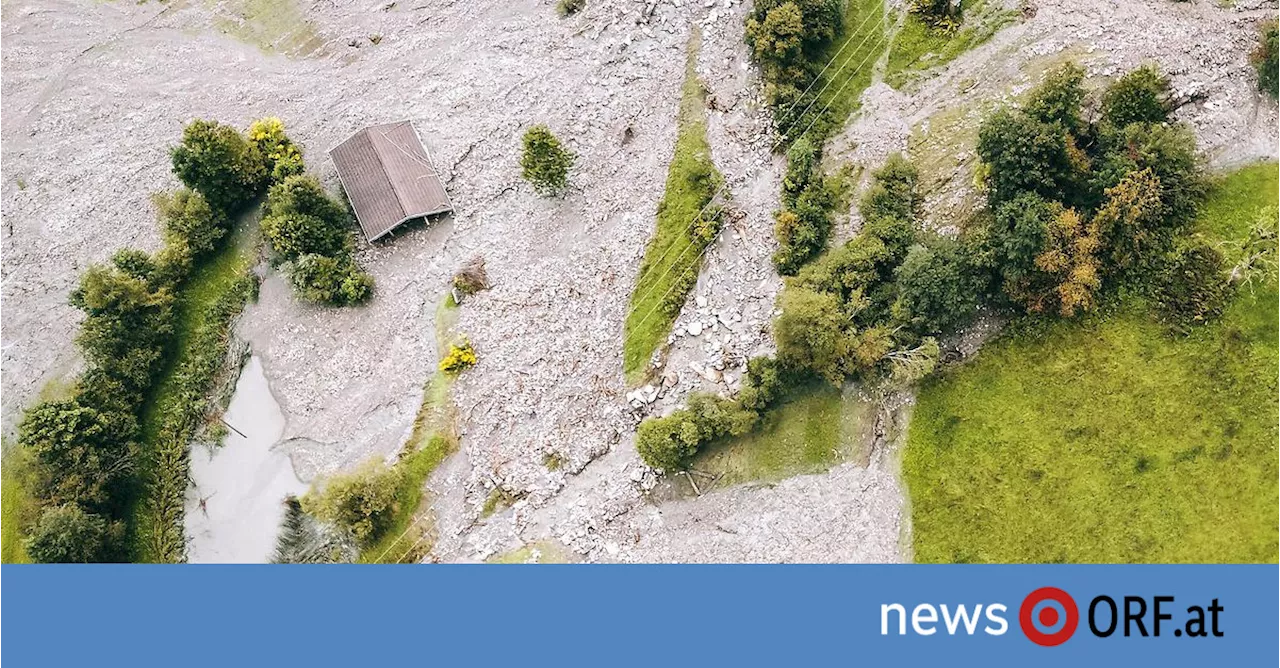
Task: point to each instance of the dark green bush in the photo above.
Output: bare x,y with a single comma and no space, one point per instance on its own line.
1192,287
1056,101
1024,154
802,231
811,332
763,385
362,502
68,535
1136,97
938,290
293,235
1265,60
305,195
219,163
893,192
545,162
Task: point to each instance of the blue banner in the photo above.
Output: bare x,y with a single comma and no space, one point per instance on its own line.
639,615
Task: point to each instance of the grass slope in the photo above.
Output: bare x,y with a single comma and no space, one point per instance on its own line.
209,285
671,260
917,47
861,44
1107,439
18,504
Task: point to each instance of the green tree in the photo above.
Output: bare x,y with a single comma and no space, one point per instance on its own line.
937,289
662,443
82,454
362,502
219,163
765,383
127,322
187,219
1025,154
545,162
1056,101
293,235
811,332
1136,97
302,194
68,535
1130,221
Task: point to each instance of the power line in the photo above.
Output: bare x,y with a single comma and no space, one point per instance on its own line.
706,248
800,98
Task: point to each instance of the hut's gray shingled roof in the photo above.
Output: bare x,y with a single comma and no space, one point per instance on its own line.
388,177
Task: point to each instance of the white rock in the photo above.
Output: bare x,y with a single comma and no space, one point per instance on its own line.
695,328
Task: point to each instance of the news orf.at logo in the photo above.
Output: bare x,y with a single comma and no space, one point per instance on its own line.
1048,616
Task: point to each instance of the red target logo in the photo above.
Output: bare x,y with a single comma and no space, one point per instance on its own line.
1048,616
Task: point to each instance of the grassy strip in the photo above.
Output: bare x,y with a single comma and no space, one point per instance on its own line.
432,441
1107,439
671,260
863,41
917,47
179,404
19,505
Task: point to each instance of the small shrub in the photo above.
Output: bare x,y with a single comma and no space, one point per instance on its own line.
66,534
1264,59
570,7
362,502
545,163
1024,155
460,358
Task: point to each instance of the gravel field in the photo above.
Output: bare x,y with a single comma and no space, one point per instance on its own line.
94,94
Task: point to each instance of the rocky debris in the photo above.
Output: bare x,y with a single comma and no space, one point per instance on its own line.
85,142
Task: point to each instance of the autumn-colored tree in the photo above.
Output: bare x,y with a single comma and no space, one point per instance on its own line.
1070,255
